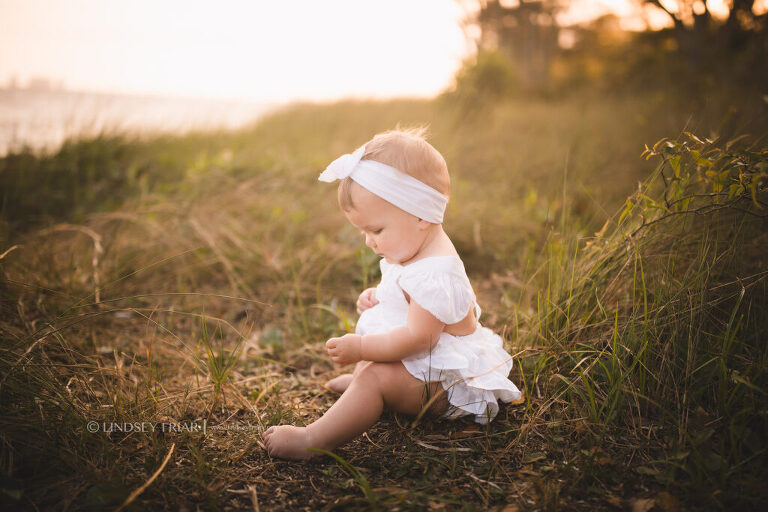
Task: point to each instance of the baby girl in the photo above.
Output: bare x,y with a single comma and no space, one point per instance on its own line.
418,342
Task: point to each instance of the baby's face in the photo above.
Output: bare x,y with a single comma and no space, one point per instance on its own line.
390,232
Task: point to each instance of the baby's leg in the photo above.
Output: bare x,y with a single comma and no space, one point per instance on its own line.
341,383
374,387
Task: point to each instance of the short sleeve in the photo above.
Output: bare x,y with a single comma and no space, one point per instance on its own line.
446,294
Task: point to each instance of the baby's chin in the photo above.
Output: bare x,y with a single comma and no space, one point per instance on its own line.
398,260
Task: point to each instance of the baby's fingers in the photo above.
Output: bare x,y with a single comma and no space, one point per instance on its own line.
366,303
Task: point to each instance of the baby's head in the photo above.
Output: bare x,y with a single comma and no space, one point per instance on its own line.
395,190
410,153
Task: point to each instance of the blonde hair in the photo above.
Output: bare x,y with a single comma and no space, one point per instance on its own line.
407,151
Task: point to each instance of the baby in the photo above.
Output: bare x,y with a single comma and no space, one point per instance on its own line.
418,343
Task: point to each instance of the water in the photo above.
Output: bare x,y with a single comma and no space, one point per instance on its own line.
44,119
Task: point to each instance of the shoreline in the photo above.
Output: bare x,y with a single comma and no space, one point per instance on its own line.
42,120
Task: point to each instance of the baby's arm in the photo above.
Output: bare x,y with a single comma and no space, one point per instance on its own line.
421,332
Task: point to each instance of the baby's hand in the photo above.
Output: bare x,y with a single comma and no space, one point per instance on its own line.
366,300
345,350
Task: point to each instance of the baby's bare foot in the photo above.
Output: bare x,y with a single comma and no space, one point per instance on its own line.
339,384
288,442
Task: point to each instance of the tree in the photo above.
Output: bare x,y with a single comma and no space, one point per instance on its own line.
525,32
693,23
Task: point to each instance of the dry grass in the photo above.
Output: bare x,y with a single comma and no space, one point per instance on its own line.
225,253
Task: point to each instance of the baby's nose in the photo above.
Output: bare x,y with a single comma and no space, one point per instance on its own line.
369,241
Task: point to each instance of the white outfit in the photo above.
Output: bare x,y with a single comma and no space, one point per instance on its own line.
473,369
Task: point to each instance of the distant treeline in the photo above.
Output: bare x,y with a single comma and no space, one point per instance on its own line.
523,49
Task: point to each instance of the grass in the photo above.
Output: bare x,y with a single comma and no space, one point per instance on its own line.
661,333
194,280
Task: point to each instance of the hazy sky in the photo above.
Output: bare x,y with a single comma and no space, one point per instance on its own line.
247,49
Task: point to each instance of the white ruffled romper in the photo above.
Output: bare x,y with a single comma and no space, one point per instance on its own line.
473,369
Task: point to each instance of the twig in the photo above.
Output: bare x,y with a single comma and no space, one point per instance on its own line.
13,248
254,498
135,494
97,250
704,210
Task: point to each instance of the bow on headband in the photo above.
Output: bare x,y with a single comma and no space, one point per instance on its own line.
342,166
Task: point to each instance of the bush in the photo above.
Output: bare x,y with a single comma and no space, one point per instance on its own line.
488,77
656,329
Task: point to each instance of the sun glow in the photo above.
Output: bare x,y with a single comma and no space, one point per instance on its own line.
235,49
261,50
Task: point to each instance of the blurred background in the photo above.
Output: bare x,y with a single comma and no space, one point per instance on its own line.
84,66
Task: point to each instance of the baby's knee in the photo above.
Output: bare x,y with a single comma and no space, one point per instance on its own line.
359,366
373,374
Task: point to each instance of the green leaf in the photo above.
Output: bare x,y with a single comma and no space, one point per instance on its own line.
645,470
11,487
534,457
365,486
694,137
626,211
741,380
675,163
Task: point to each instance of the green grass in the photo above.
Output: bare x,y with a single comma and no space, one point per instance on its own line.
661,331
197,278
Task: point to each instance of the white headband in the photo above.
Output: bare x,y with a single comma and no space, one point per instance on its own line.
396,187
